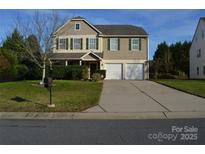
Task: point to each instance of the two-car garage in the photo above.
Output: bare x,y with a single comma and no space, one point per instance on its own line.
128,71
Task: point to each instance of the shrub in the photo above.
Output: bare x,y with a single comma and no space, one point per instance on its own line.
167,76
58,72
102,73
34,71
74,72
96,77
85,73
182,75
22,71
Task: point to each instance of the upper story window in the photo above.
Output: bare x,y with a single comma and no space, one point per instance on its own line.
114,44
62,43
199,53
77,26
135,44
77,43
92,43
202,34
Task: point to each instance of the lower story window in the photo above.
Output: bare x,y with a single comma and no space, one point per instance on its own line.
204,70
197,69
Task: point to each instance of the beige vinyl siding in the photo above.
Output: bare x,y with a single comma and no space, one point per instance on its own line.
69,29
124,52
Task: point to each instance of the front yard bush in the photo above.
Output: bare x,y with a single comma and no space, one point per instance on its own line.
96,77
102,73
58,72
70,72
167,76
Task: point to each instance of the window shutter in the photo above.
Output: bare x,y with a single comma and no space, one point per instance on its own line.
118,43
97,43
66,44
81,43
140,46
130,43
108,44
57,40
71,44
87,43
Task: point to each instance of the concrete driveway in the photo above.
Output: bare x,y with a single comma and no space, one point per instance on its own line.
123,96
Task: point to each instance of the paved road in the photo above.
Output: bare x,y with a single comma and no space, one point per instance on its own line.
101,131
123,96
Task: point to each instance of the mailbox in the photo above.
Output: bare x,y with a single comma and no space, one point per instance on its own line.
48,82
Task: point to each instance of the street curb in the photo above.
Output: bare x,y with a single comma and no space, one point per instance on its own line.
120,116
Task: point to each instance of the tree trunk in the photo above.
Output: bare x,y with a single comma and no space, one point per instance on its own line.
43,72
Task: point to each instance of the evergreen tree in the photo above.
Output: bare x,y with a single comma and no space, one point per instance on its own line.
16,43
173,59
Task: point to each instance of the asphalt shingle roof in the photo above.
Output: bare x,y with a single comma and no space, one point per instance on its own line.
121,30
69,55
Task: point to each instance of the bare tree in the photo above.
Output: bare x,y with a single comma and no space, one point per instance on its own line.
42,25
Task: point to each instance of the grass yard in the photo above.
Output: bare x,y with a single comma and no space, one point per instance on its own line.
195,87
68,96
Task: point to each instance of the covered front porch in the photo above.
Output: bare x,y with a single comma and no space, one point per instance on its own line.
92,60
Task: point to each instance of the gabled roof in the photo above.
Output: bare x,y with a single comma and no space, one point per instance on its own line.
121,30
124,30
78,18
92,53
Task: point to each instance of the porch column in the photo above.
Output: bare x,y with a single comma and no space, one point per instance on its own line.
66,63
80,62
101,65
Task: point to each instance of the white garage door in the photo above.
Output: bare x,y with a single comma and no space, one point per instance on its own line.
114,71
134,71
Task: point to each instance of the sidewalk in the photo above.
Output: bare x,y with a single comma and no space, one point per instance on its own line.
77,115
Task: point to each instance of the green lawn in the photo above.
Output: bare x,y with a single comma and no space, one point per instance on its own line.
68,96
196,87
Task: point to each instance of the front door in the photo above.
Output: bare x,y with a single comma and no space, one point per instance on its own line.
93,68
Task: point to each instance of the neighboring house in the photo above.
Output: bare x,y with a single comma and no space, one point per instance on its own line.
197,52
121,50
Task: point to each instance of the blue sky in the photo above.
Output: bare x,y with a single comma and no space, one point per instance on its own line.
162,25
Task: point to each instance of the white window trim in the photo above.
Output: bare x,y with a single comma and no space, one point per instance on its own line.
199,53
79,26
74,42
59,42
132,49
89,42
117,44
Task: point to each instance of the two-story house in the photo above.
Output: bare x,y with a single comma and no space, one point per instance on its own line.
121,50
197,52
